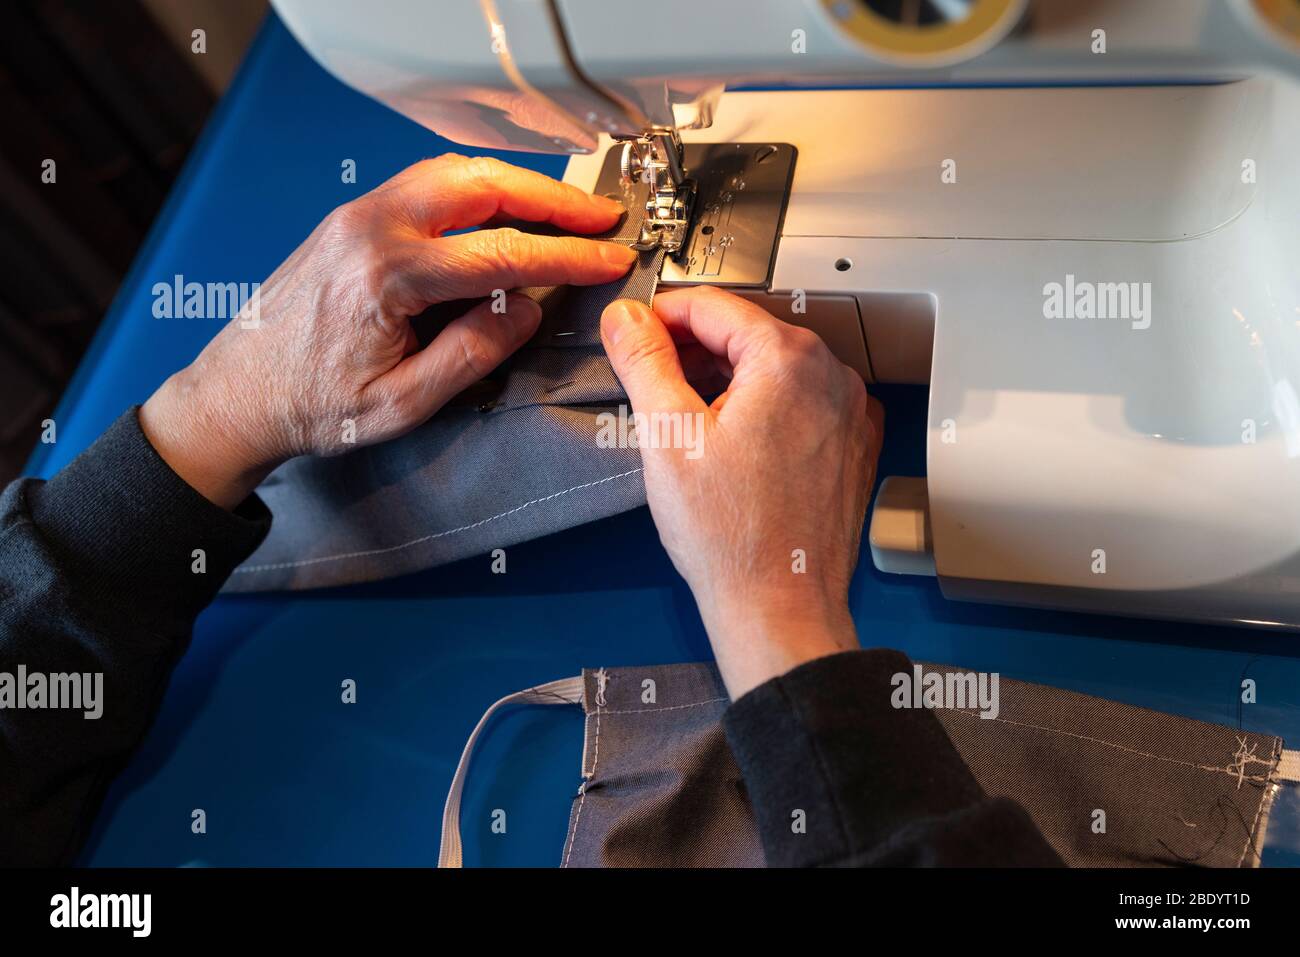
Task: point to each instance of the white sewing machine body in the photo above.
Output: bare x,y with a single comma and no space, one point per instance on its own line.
1100,284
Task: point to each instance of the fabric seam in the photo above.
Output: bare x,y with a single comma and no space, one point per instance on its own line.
582,798
596,760
1265,799
1142,754
675,707
248,569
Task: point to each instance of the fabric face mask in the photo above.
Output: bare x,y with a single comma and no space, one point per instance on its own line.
659,787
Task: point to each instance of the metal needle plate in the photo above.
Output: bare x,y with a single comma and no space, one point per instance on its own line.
743,189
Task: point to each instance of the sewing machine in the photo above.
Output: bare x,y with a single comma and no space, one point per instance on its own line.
1078,222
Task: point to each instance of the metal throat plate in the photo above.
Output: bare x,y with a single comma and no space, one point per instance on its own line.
739,208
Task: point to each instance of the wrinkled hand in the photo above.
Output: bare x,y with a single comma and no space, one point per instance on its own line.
330,355
779,482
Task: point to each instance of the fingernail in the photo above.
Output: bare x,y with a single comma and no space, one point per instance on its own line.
617,255
523,310
608,204
616,319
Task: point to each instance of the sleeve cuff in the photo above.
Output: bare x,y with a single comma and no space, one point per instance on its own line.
825,740
137,532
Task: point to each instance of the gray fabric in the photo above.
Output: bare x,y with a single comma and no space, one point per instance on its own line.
518,463
661,788
1175,791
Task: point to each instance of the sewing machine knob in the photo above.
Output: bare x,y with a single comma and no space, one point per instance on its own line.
926,33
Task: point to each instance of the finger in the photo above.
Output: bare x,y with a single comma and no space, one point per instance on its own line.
417,170
444,195
875,442
725,324
465,351
700,365
477,263
876,418
422,168
645,359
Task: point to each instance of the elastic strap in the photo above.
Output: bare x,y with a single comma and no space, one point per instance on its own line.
1288,767
564,691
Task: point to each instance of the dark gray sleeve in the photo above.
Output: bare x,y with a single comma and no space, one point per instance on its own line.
97,577
876,785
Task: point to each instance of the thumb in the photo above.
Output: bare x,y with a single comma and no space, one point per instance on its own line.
643,355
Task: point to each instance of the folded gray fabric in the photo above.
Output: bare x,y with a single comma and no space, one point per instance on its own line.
521,462
1108,785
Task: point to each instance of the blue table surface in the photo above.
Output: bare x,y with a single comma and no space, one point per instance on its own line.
252,729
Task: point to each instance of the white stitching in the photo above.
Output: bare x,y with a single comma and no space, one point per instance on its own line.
1259,810
582,799
1232,770
245,569
595,748
595,760
676,707
1250,835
